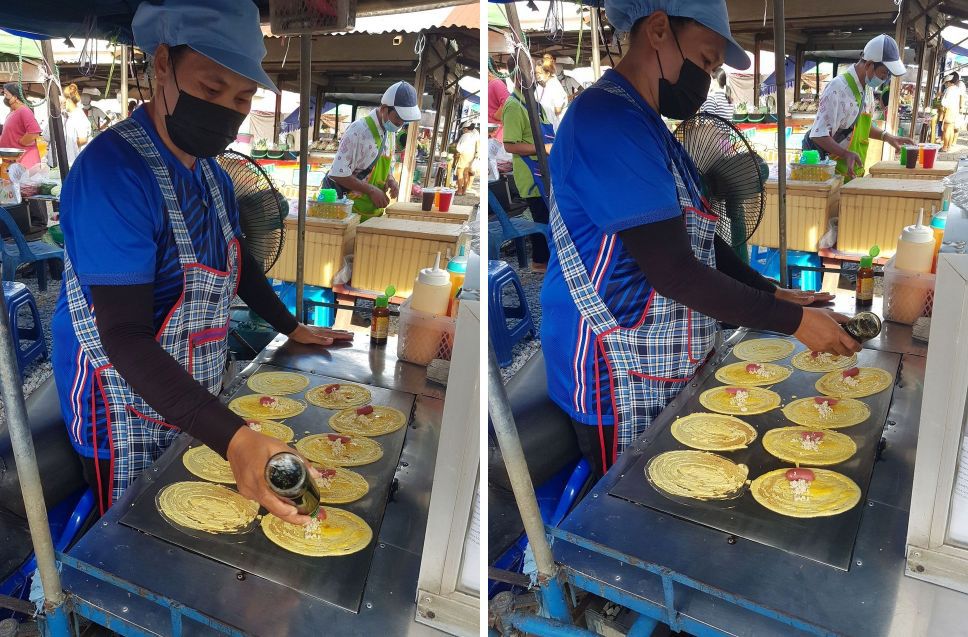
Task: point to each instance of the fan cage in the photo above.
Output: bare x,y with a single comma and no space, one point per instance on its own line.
308,17
733,174
262,209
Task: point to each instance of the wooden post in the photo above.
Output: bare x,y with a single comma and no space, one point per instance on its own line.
756,70
319,113
445,132
277,119
779,76
916,106
894,97
433,136
596,44
798,57
56,121
123,98
410,151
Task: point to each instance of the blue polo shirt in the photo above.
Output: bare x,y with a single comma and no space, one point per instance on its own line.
610,171
117,232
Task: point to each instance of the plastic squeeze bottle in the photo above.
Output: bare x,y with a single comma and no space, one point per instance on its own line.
431,290
938,222
457,268
915,247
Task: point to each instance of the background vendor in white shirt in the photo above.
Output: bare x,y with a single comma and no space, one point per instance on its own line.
842,100
362,167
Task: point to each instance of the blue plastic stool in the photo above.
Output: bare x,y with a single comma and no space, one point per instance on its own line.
17,296
499,276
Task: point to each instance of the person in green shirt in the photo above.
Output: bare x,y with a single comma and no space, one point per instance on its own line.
519,141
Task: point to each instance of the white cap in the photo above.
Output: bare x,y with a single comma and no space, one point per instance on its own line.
918,233
90,90
403,98
884,49
436,275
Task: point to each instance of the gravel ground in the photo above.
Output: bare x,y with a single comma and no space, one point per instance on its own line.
531,282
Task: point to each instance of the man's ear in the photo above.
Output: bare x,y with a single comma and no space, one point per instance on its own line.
162,62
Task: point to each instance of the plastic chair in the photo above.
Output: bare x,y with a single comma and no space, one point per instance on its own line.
17,296
499,276
22,251
509,229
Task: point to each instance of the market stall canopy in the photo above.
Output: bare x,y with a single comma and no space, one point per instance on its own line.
69,18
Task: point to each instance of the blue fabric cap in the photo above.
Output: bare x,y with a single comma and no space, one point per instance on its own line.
225,31
403,98
709,13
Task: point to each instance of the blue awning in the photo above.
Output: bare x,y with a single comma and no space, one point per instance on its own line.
769,84
291,123
957,50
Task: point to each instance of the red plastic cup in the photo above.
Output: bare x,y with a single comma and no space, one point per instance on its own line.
446,197
928,154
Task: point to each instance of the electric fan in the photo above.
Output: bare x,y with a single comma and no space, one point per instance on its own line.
262,209
733,175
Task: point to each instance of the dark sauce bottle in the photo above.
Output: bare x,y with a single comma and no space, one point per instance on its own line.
290,480
864,326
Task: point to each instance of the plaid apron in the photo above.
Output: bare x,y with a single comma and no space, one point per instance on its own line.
194,332
649,362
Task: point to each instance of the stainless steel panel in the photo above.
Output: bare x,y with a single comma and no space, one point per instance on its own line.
828,539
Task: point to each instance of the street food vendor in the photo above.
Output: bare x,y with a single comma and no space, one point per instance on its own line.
637,282
20,129
843,100
363,163
152,237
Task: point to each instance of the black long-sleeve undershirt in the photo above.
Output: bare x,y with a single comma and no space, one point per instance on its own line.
126,327
732,293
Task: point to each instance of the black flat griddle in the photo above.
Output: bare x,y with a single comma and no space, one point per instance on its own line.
829,540
337,580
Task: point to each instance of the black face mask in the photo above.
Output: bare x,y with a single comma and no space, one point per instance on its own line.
201,128
6,102
682,99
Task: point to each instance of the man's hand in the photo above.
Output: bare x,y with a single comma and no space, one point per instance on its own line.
854,165
378,197
803,298
311,335
820,331
394,188
248,453
896,142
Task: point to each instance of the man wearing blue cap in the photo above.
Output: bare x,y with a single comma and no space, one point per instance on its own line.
362,168
637,280
152,238
843,101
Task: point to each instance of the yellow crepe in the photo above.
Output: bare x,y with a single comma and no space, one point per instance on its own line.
278,383
764,350
870,381
844,412
696,474
340,396
251,406
382,420
757,400
823,362
272,429
809,446
745,374
321,448
208,465
339,533
830,493
206,507
713,432
339,486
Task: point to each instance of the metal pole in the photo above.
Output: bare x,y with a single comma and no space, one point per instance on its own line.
26,460
916,106
54,109
499,410
756,70
277,116
797,72
433,136
779,54
445,134
891,119
527,87
124,80
596,44
305,70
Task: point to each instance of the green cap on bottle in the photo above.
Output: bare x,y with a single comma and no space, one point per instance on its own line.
384,299
867,262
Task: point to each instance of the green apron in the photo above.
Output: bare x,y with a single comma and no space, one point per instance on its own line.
860,137
379,174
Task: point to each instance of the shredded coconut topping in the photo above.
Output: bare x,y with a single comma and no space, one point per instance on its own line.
739,399
337,446
312,529
850,381
824,409
810,444
254,426
325,483
801,490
